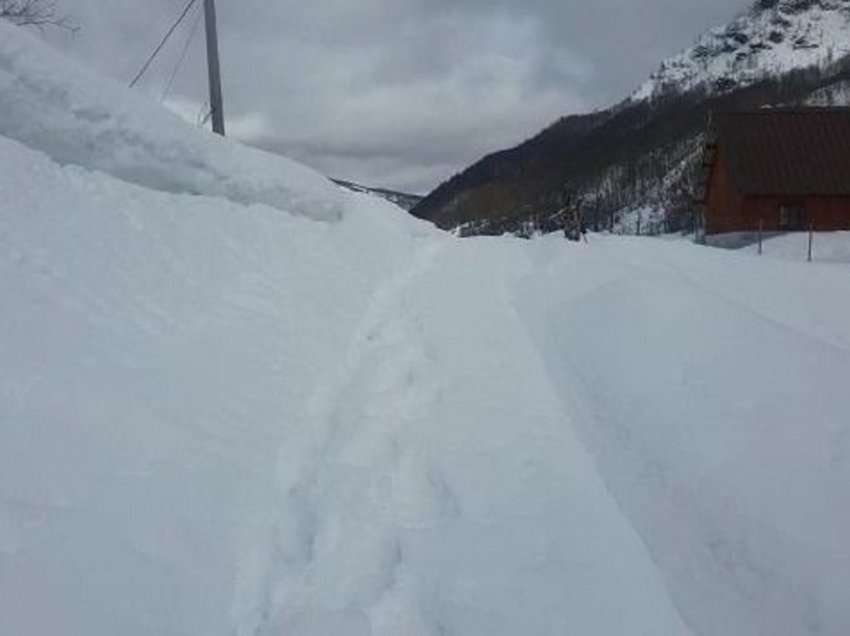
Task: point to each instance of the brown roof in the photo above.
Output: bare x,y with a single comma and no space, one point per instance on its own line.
788,152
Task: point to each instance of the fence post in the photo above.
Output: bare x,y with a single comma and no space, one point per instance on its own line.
761,230
811,239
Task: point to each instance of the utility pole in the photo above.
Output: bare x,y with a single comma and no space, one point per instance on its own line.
214,67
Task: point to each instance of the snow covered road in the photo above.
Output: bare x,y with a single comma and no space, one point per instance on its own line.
448,481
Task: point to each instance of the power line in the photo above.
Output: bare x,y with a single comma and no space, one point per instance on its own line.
171,31
182,59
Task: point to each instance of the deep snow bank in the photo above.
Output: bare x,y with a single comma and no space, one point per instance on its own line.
51,104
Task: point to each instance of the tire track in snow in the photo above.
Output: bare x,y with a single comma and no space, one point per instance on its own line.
627,459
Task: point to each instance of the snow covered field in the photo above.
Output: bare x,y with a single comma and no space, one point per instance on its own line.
827,247
228,414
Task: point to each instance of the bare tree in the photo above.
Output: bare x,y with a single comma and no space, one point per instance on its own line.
38,13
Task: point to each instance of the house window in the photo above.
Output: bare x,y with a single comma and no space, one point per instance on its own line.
791,217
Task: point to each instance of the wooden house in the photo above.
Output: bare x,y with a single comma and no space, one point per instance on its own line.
778,169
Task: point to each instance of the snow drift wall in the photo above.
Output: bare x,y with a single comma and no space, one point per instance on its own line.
53,105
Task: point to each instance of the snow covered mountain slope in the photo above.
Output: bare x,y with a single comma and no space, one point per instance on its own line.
836,94
774,37
51,104
219,419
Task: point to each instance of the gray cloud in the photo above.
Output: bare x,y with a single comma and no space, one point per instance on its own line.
398,93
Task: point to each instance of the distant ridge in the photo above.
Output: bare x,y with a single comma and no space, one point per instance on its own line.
401,199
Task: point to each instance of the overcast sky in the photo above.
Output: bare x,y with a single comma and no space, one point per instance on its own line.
397,93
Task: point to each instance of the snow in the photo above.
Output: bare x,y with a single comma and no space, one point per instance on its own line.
763,42
221,416
836,95
710,391
156,352
646,219
76,117
273,425
827,247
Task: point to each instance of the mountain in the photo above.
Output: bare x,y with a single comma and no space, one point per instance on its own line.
773,38
639,157
401,199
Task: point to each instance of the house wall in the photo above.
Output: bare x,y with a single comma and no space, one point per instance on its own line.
826,213
728,211
723,205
